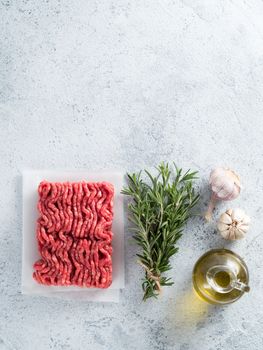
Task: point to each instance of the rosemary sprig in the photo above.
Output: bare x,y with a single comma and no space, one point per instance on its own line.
159,211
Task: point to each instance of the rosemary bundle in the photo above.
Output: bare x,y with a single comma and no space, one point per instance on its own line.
159,210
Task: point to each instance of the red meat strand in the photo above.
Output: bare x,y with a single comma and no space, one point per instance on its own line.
74,234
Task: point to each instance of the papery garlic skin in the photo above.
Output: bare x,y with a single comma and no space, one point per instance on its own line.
225,185
233,224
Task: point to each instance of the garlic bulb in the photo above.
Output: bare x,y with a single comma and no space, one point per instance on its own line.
233,224
225,185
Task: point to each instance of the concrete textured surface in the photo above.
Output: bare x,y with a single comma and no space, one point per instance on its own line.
125,84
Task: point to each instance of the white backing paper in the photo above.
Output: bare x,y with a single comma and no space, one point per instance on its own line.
31,180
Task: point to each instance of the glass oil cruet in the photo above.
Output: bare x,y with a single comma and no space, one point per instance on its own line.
220,276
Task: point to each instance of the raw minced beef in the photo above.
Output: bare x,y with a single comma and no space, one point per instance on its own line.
74,234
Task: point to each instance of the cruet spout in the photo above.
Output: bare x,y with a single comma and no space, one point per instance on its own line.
243,287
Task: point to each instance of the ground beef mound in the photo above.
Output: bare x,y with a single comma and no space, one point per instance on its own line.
74,234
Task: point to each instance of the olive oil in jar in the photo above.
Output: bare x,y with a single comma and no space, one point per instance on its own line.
220,277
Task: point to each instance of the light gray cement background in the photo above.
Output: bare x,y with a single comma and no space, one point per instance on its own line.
126,84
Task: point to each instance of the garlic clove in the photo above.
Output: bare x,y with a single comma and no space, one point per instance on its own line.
234,176
244,228
226,191
239,234
222,226
216,173
217,183
229,212
225,234
225,218
238,215
234,194
231,236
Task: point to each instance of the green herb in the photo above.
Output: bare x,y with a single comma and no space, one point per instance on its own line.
159,211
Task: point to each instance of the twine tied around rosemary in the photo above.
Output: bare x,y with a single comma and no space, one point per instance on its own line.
152,276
